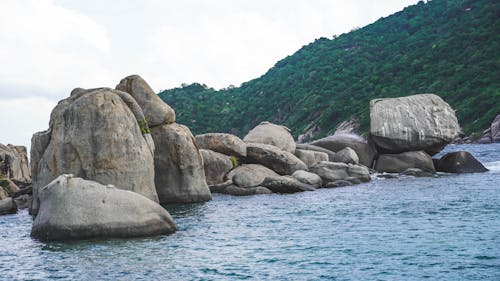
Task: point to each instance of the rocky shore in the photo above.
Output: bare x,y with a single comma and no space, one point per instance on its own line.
111,156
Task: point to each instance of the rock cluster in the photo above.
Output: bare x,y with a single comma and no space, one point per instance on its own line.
492,134
15,179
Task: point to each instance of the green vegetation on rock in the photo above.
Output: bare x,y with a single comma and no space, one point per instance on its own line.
447,47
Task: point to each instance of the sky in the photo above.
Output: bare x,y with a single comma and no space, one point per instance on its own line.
49,47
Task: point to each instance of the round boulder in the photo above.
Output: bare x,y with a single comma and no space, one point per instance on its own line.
250,175
269,133
397,163
280,161
216,166
459,162
223,143
307,178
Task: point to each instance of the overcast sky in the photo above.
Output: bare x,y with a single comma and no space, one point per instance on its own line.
49,47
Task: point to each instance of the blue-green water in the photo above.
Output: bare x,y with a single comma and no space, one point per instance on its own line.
444,228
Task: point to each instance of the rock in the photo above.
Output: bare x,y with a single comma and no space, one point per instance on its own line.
307,178
3,193
310,157
7,206
415,172
156,111
8,186
354,180
397,163
280,161
223,143
359,172
331,154
219,188
419,122
330,171
387,176
365,151
459,162
250,175
14,162
347,155
495,129
245,191
272,134
74,208
96,134
216,166
338,183
486,138
23,201
285,184
179,172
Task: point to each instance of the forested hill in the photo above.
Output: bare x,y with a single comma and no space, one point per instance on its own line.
447,47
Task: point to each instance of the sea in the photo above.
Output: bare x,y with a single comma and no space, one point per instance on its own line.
442,228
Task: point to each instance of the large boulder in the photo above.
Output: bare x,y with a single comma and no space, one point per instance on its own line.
7,206
419,122
156,111
334,171
397,163
96,134
286,184
366,151
280,161
347,155
459,162
216,166
14,162
311,157
223,143
245,191
307,178
250,175
74,208
179,172
269,133
9,186
331,154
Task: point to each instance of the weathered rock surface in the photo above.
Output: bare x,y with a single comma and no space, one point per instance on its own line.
7,206
347,155
23,201
3,193
486,138
358,172
459,162
14,162
156,111
365,151
415,172
250,175
311,157
397,163
216,166
286,184
272,134
419,122
223,143
179,172
331,154
495,129
280,161
338,183
8,186
334,171
74,208
307,178
245,191
95,134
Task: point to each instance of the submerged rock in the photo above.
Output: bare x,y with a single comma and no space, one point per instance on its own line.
459,162
223,143
397,163
415,172
280,161
272,134
74,208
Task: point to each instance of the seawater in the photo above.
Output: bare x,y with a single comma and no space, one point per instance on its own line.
442,228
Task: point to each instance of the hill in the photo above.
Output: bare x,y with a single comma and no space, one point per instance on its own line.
447,47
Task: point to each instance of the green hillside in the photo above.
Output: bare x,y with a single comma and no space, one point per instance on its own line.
447,47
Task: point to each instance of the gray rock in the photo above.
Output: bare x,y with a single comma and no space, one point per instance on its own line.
216,166
338,183
359,172
7,206
74,208
14,162
272,134
495,129
156,111
179,172
331,154
23,201
96,134
415,172
8,186
365,150
250,175
486,138
307,178
330,171
245,191
223,143
310,157
280,161
397,163
286,184
347,155
353,180
3,193
419,122
220,187
459,162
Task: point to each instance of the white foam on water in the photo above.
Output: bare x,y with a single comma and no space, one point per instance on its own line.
493,166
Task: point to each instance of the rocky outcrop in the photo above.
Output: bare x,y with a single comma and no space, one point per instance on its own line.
7,206
223,143
8,186
98,134
347,155
232,189
307,178
155,110
280,161
14,163
365,151
311,157
331,154
74,208
272,134
216,166
419,122
250,175
334,171
286,184
178,166
397,163
459,162
492,134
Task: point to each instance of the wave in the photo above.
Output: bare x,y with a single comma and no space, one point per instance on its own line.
493,166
